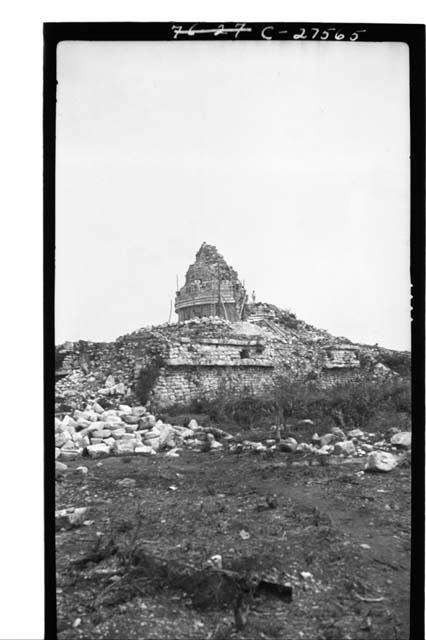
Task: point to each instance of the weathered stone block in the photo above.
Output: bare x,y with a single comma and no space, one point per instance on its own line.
123,447
68,518
103,433
125,409
381,461
402,440
118,433
145,450
99,450
346,448
62,438
70,455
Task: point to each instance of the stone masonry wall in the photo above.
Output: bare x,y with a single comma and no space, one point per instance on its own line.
184,384
331,377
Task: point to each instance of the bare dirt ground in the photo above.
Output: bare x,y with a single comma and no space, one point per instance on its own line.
348,532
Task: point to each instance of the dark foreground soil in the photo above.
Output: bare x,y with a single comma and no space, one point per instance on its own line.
348,532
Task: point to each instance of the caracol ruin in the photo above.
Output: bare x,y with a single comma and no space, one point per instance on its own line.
221,341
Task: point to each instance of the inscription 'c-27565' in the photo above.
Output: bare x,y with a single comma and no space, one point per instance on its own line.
270,32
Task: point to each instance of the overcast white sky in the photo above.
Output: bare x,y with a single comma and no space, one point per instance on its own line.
292,158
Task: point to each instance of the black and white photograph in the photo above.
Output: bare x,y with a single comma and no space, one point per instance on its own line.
231,212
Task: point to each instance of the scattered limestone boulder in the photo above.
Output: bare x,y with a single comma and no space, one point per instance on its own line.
124,408
154,443
92,416
131,428
71,455
82,423
152,433
337,431
123,447
69,445
183,432
173,453
57,452
97,426
98,450
326,450
119,389
327,438
193,424
97,407
166,435
148,421
303,447
130,419
381,461
145,450
287,444
104,433
69,518
355,433
109,382
138,411
346,448
128,436
256,447
68,421
82,470
103,392
61,439
118,433
111,419
81,441
402,440
213,443
60,468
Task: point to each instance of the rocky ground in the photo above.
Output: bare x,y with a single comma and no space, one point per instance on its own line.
161,526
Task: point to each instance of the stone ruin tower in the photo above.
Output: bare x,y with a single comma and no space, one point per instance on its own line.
212,288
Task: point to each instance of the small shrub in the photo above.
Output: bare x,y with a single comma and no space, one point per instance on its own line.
349,404
397,395
147,378
356,402
248,411
397,361
290,399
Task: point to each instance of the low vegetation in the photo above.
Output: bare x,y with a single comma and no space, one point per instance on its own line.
348,405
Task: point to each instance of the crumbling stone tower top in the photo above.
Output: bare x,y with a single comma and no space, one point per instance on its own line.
212,288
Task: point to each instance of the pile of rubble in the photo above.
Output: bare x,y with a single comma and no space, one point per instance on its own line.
79,388
98,432
381,454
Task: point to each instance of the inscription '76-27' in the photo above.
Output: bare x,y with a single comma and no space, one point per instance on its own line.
271,32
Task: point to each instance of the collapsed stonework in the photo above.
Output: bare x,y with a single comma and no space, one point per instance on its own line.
240,347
